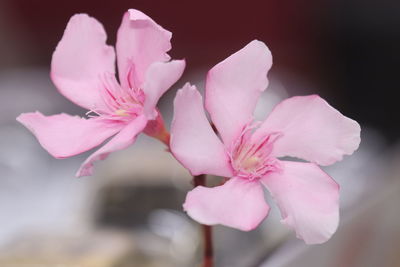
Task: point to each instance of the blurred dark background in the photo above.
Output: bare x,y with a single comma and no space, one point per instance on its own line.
346,50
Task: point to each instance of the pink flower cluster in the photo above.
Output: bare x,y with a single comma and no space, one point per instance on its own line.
83,70
248,153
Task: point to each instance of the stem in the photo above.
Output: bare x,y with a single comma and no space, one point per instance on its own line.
208,246
207,229
208,253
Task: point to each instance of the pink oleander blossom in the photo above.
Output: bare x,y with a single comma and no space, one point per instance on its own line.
249,152
83,70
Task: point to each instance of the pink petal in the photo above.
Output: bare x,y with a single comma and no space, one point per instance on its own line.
193,141
312,130
79,59
234,86
239,203
140,42
122,140
64,136
308,199
160,77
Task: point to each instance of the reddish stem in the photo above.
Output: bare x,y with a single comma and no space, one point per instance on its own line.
208,246
164,137
207,230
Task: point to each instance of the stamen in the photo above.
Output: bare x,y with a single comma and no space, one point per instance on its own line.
251,158
121,112
119,103
251,163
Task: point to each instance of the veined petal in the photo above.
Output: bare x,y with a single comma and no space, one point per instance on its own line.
79,59
239,203
160,77
193,141
122,140
140,42
312,130
64,136
234,86
308,199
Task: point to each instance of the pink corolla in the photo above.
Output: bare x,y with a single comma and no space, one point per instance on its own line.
83,70
249,152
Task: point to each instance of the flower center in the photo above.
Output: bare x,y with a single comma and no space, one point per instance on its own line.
251,163
252,159
120,104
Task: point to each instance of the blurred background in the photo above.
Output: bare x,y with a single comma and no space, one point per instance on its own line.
129,213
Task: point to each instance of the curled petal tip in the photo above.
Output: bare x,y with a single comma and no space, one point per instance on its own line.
84,171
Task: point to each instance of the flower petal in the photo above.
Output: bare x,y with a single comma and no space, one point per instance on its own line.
308,199
234,86
64,136
122,140
312,130
159,78
140,42
193,141
239,203
79,59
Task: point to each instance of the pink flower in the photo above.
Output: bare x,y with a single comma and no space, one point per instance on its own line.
83,70
248,152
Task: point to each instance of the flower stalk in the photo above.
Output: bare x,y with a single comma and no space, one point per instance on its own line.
208,254
198,180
